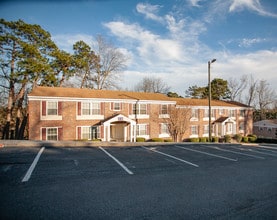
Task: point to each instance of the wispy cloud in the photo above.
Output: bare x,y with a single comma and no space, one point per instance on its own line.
246,42
150,11
252,5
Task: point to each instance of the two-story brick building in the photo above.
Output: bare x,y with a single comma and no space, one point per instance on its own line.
57,113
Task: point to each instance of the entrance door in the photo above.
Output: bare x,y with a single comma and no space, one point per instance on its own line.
117,131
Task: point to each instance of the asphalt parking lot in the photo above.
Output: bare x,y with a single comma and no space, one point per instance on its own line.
178,181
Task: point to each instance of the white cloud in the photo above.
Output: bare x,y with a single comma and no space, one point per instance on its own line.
150,11
66,41
246,42
195,3
253,5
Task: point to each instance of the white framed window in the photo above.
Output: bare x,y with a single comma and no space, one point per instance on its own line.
194,130
142,129
229,128
89,132
194,113
116,106
232,113
206,129
221,111
242,113
206,113
164,110
52,108
140,109
164,128
95,108
52,134
241,126
85,108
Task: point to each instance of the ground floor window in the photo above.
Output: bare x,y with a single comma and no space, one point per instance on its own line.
51,133
194,130
142,129
164,128
88,132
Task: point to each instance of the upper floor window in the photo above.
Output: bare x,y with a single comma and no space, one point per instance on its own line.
221,111
139,109
232,113
51,110
194,113
206,113
85,108
95,108
242,113
164,109
116,106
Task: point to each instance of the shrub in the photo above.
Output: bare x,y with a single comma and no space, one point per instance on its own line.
168,140
96,140
140,139
215,139
227,138
203,139
156,140
252,138
194,139
238,137
245,139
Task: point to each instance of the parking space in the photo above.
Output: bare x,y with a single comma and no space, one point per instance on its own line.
146,182
69,162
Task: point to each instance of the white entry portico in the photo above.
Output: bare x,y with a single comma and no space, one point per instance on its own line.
119,128
224,126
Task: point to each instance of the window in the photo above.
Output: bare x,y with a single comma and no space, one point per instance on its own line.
206,113
89,132
52,108
206,129
164,128
52,134
241,126
242,113
95,108
164,109
194,113
86,133
116,106
140,109
85,108
229,128
194,130
232,113
221,111
142,129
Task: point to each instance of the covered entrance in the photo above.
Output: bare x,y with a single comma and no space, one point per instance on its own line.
224,126
120,128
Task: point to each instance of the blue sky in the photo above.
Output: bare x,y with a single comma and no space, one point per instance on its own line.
170,39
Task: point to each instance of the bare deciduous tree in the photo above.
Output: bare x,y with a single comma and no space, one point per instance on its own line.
152,84
236,87
178,122
111,62
266,96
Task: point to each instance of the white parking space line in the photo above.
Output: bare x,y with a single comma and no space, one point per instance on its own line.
213,155
32,167
168,155
235,152
117,161
264,153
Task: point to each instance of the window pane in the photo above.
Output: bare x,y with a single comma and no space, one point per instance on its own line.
86,133
116,106
95,109
164,110
52,134
143,109
85,108
52,108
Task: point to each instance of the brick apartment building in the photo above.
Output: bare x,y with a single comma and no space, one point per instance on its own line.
57,113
